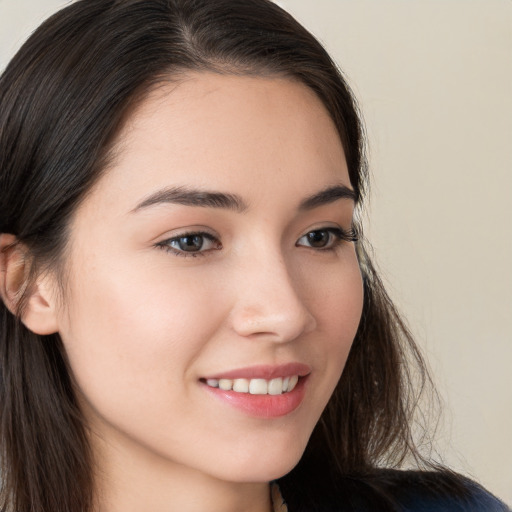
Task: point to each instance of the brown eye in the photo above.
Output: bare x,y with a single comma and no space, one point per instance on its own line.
190,243
319,239
327,238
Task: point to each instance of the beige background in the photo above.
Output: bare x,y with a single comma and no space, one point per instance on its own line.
434,78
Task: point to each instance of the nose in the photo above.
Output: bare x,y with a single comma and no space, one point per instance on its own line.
268,303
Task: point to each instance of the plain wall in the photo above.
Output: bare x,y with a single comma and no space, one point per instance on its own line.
434,79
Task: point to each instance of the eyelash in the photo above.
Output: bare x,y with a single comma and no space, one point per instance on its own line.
336,237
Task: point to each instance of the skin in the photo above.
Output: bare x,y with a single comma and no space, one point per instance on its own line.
142,325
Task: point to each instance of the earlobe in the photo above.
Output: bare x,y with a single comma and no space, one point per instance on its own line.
38,312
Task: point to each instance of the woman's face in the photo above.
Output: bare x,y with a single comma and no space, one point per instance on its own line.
215,251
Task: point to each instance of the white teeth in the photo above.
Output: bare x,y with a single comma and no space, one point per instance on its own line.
258,387
225,384
293,382
241,385
276,386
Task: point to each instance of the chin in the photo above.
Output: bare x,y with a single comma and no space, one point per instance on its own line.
266,465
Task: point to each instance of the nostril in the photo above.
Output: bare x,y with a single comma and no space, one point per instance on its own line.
282,323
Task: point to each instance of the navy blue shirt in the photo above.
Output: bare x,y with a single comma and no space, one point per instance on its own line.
394,491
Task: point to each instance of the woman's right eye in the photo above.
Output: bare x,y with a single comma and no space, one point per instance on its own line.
191,244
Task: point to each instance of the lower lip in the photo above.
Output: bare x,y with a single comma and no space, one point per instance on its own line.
263,406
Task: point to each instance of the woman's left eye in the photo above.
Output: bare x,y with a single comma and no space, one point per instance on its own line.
326,238
190,244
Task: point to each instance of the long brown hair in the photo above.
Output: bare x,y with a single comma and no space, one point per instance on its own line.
63,98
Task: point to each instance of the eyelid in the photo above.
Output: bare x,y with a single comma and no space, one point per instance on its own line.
351,232
185,231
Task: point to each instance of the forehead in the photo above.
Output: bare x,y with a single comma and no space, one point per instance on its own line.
227,132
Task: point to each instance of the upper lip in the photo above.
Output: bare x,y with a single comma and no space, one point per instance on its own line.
264,371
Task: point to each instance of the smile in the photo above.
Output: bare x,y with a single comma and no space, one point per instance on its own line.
276,386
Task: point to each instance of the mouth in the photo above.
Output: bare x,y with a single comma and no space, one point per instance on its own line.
276,386
262,391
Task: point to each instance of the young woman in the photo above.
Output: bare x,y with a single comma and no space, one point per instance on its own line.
189,318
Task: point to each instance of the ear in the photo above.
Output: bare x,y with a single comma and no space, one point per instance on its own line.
39,308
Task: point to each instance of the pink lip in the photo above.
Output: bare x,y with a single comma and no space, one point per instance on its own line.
263,371
262,406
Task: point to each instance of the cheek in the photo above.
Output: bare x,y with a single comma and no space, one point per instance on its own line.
335,295
139,328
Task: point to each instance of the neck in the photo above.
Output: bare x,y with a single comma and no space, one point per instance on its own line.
130,480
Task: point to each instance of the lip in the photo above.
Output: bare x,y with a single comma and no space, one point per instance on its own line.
264,371
263,406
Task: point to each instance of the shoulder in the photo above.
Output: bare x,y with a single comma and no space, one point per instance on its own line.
437,491
396,491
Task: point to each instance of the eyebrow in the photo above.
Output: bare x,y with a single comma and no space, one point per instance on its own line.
192,197
327,196
211,199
